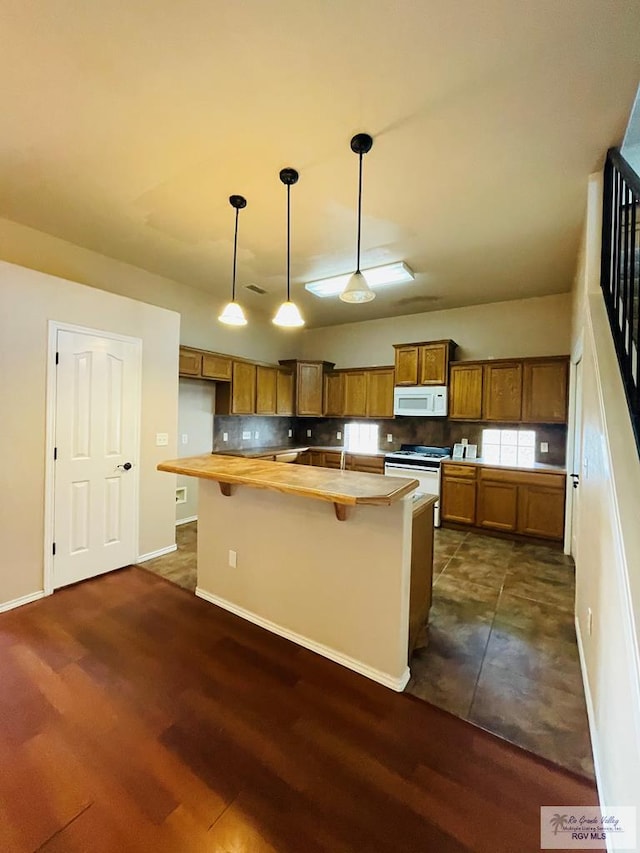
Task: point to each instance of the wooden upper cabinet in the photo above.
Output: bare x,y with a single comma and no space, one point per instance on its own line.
545,384
502,391
407,364
284,392
465,392
380,393
355,393
424,363
190,362
434,363
310,380
266,382
243,388
334,394
216,367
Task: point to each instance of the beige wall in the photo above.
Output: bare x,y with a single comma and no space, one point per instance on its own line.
196,405
522,327
607,550
343,585
197,308
28,300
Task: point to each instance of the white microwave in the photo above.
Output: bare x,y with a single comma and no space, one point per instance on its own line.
428,401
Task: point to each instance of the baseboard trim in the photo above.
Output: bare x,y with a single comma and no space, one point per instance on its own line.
186,520
159,553
24,599
397,684
591,718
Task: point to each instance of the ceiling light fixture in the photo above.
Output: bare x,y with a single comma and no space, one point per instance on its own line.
357,289
233,315
376,277
288,314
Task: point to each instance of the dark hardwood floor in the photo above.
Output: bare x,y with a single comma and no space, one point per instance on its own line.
135,717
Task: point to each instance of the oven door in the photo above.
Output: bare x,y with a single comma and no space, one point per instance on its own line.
428,477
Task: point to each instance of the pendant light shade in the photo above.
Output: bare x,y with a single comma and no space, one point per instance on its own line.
288,314
232,314
357,289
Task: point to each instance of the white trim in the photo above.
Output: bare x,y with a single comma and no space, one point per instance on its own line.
188,520
591,716
24,599
159,553
397,684
55,326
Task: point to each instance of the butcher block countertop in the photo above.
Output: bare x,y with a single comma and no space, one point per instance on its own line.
342,488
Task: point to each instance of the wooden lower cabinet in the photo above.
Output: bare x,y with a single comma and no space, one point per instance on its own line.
497,505
365,464
529,503
541,511
458,500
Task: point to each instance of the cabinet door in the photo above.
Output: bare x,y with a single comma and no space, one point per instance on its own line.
502,391
541,511
331,460
309,389
284,392
334,394
497,505
379,393
266,379
366,464
407,365
434,360
355,393
465,392
190,362
304,458
458,500
544,397
243,388
316,458
216,367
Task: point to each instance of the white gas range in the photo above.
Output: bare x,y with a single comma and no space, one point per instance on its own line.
421,463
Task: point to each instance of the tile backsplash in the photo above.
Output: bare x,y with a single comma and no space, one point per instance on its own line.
436,431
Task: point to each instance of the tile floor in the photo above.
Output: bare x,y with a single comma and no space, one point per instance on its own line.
500,650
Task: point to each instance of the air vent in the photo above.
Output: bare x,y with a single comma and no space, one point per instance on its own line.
255,289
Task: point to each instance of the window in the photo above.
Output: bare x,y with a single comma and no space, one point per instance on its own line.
361,437
509,446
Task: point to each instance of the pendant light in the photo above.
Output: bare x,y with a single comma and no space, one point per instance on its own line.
288,314
357,289
233,315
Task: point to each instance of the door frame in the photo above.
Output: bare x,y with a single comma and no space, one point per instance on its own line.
576,358
55,326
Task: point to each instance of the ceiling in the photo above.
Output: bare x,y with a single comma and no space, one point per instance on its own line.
126,125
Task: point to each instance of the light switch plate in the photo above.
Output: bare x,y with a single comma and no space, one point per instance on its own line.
246,435
225,436
256,435
308,433
233,559
290,433
544,447
162,439
389,437
338,435
464,441
185,438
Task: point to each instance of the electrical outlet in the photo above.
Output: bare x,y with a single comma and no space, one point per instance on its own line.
246,435
389,437
290,433
544,447
185,438
233,559
256,435
162,439
338,435
464,441
308,433
225,436
589,621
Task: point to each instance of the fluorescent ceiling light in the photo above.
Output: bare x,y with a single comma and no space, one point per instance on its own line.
376,277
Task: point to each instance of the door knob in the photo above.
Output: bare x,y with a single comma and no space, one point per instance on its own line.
127,466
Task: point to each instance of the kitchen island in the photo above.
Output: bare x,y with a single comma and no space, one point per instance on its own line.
319,556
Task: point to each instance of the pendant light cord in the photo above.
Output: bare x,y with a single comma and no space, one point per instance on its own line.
359,208
288,242
235,252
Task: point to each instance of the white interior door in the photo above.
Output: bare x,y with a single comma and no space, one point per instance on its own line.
576,462
96,473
